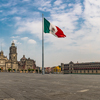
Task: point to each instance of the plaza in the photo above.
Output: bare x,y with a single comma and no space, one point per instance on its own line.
30,86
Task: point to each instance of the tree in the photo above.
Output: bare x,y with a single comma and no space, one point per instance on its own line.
32,69
9,69
29,70
37,70
60,66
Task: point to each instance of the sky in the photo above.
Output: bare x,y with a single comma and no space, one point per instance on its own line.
21,22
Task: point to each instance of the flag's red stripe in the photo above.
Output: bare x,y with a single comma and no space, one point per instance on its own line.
60,33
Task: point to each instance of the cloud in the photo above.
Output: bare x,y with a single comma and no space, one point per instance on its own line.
70,5
6,4
24,38
31,41
33,27
58,2
1,11
17,18
43,5
3,19
2,42
13,8
26,0
13,11
16,41
15,37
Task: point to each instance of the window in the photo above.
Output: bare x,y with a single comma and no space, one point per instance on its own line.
96,71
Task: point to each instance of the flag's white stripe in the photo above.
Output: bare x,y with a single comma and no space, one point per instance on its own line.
53,31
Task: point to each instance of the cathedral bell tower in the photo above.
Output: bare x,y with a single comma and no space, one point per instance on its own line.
13,53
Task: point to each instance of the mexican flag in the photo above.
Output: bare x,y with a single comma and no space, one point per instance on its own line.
50,28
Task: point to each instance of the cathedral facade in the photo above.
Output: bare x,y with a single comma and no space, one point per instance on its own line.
12,63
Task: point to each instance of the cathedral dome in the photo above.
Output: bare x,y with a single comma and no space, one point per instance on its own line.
23,58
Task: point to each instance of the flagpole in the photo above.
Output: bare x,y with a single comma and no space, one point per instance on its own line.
42,44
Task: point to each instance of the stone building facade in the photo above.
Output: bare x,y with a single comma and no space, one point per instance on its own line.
12,62
82,68
13,56
25,64
3,61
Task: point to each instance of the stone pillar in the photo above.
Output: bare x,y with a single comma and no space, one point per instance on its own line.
35,70
38,70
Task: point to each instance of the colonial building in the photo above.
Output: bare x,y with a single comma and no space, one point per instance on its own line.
57,69
12,63
82,68
25,64
3,61
53,70
47,70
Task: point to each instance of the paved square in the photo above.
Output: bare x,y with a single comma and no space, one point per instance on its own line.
29,86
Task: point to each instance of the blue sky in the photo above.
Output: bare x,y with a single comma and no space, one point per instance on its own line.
21,22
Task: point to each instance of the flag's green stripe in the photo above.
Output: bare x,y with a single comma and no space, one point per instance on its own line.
46,26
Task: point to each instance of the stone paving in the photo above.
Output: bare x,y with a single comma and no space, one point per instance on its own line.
30,86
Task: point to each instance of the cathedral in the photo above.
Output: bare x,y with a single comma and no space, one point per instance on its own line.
12,63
